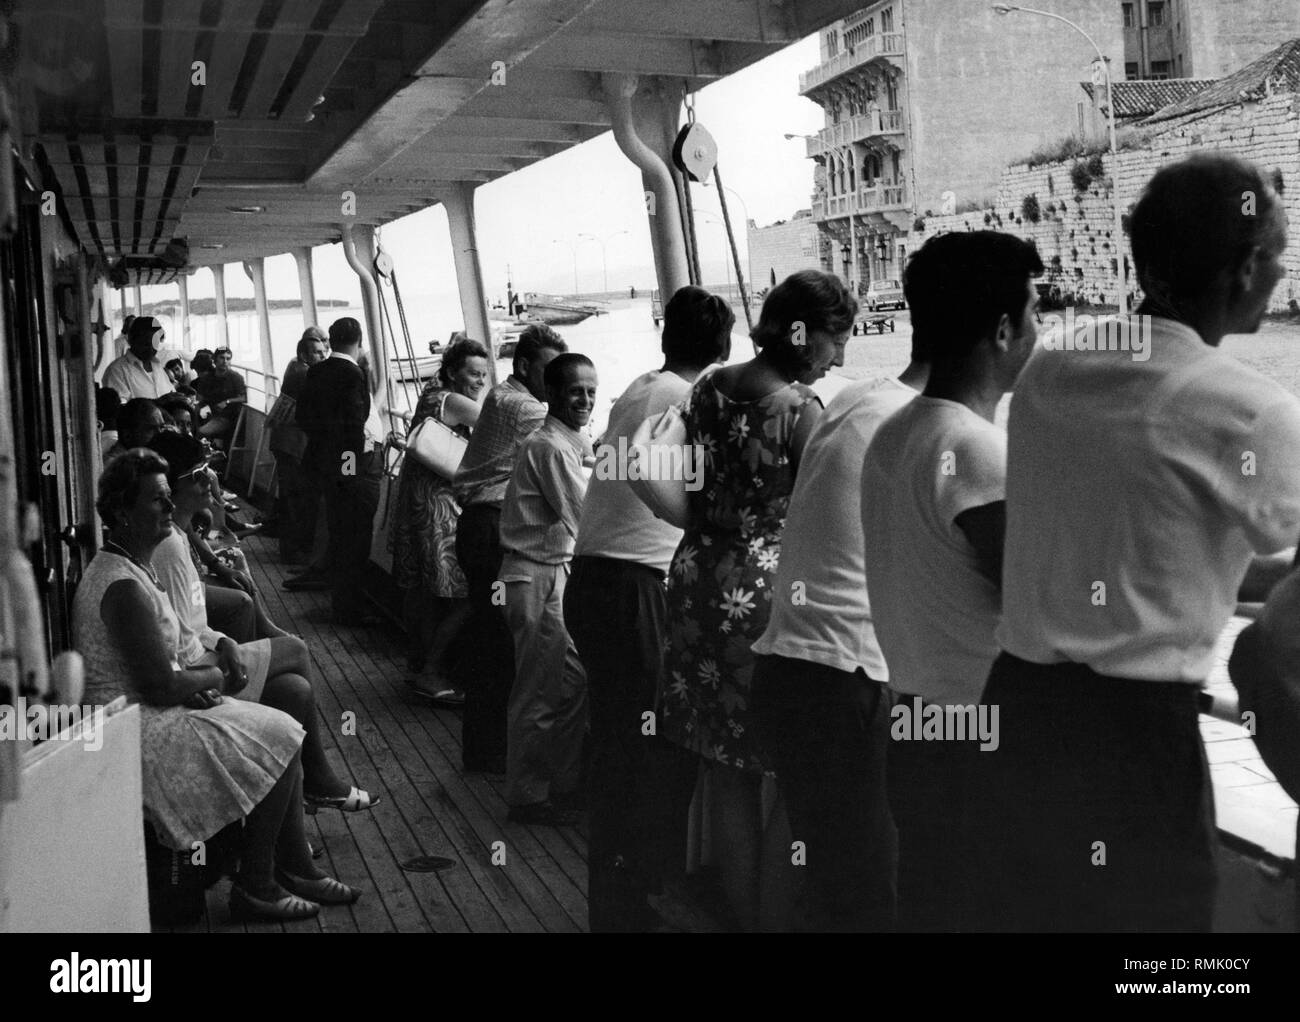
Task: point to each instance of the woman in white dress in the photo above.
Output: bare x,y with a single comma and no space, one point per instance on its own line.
207,760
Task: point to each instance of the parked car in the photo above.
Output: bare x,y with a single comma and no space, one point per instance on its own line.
885,294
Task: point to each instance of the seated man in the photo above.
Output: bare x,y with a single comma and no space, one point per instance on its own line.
277,670
137,423
221,392
108,405
547,714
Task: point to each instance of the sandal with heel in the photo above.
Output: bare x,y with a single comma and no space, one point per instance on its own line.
243,906
355,801
323,890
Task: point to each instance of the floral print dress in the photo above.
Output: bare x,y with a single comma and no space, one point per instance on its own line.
423,540
720,583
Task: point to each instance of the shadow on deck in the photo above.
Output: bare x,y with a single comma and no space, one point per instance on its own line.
507,877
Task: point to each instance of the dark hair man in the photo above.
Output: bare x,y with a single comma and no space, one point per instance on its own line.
139,372
137,423
1137,494
332,411
615,608
512,411
933,512
539,522
221,392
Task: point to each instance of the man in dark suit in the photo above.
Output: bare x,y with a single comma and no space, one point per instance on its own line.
332,411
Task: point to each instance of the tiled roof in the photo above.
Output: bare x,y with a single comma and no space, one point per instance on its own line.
1276,71
1143,98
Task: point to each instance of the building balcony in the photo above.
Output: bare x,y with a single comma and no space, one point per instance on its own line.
855,129
876,47
877,199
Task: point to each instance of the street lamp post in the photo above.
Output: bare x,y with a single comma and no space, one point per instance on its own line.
1114,149
602,243
726,255
574,249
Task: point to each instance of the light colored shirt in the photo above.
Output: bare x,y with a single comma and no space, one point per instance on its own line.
820,609
128,376
510,415
176,571
1137,494
615,522
543,500
934,610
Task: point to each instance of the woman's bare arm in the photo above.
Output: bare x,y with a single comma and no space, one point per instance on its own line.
460,411
132,622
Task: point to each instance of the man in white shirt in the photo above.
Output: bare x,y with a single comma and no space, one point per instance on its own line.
139,372
547,711
932,514
819,675
1138,492
614,607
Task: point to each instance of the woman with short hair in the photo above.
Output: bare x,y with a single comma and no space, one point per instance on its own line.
424,530
751,421
207,761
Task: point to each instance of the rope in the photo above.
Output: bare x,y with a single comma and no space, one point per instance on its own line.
735,252
693,262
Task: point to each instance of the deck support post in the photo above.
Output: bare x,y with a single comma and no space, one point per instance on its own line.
359,250
183,283
642,112
256,270
138,299
459,204
306,286
219,290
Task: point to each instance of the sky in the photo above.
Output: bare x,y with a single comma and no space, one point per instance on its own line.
530,221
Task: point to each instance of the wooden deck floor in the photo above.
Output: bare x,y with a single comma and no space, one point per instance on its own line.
507,877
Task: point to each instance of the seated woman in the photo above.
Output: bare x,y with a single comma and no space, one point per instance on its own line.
277,668
207,761
436,603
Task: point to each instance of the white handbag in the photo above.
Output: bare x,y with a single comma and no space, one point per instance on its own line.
436,447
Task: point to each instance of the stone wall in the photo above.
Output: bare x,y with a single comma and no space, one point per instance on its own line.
1075,230
782,249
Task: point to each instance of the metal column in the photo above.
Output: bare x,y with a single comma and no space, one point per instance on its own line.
306,286
256,270
187,344
359,250
219,290
459,204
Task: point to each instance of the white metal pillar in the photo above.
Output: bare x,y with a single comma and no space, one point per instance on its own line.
638,115
219,290
459,204
359,250
138,299
306,286
256,270
187,345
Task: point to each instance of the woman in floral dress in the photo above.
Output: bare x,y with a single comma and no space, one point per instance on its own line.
751,421
424,525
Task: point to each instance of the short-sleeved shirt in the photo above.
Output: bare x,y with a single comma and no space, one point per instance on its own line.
820,609
510,415
1138,491
213,388
131,378
615,522
543,500
934,610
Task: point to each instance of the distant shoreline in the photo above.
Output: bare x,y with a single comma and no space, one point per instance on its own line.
208,306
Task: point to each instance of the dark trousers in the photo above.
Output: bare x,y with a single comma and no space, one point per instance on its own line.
489,662
350,505
295,505
641,785
931,797
1099,811
827,731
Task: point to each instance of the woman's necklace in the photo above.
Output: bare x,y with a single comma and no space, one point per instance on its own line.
121,551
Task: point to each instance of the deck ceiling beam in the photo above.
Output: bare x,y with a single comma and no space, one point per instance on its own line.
742,21
671,58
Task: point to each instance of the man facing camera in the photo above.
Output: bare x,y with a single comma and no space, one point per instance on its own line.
547,714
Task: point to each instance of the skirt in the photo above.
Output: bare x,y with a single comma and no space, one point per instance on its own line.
256,659
204,769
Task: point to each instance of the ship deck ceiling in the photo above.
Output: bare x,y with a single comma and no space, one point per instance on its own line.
392,100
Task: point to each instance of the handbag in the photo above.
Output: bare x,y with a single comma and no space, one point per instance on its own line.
650,448
436,447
